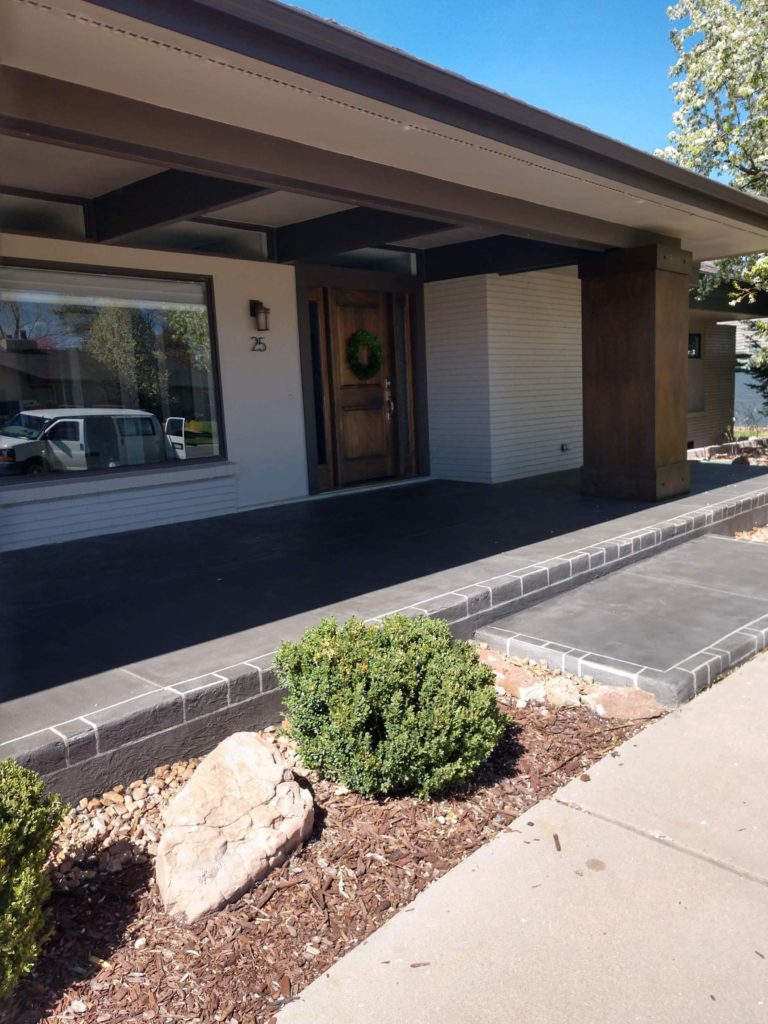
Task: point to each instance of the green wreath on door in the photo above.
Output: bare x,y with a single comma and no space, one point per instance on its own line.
364,340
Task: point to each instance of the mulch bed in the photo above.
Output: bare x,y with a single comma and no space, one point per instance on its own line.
116,956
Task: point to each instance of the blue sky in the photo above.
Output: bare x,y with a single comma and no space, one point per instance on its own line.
603,63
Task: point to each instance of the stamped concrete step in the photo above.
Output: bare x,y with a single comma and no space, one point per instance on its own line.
670,624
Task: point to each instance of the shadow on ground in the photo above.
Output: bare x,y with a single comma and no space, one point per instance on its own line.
88,924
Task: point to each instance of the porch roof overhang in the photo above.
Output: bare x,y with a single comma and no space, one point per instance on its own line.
265,97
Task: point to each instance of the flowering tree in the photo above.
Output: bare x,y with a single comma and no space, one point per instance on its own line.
721,89
720,84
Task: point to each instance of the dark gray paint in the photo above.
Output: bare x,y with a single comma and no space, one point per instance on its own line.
669,624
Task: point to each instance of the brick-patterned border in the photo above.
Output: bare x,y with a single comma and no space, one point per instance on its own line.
78,740
674,685
73,743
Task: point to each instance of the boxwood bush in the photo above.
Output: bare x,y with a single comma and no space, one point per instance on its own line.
28,817
389,709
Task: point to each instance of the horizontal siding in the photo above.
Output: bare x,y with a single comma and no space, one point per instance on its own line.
718,356
457,374
534,332
76,516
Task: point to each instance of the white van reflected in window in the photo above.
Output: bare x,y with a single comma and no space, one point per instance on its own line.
75,440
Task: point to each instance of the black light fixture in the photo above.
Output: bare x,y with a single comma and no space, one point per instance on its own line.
260,314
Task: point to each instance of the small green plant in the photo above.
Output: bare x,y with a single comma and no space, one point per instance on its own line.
28,817
389,709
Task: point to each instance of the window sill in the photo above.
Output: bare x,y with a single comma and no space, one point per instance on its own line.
81,484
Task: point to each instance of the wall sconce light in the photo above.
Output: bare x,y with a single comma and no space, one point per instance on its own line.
260,314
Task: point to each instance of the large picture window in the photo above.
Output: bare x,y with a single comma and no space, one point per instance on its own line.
99,371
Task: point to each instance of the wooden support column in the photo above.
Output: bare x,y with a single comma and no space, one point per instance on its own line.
635,372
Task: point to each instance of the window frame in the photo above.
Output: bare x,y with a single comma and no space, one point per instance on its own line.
698,352
163,275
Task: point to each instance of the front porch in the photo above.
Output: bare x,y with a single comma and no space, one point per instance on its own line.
125,650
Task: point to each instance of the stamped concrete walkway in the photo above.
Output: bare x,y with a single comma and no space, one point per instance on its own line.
654,908
670,624
122,652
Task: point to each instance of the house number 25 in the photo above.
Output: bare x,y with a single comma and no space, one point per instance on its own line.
258,345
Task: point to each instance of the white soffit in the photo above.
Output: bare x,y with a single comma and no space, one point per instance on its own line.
67,172
148,63
278,209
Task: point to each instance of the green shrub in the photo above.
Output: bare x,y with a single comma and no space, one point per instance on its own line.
389,709
28,817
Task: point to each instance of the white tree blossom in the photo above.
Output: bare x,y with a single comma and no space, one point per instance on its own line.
720,84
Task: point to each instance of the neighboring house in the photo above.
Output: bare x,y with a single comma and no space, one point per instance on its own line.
337,265
711,369
44,378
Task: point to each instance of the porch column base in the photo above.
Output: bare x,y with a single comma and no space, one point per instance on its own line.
642,484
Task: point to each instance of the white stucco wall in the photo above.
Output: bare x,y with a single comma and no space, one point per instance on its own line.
504,371
263,411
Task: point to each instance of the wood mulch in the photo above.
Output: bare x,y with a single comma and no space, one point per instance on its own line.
116,956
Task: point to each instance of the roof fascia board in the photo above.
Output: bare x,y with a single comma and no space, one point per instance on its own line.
45,109
300,42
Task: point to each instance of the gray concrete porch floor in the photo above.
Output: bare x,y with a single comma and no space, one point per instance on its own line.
652,906
669,624
179,622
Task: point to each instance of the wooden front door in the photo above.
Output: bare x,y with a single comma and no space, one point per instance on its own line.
363,407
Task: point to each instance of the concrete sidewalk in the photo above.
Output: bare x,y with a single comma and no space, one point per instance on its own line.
651,905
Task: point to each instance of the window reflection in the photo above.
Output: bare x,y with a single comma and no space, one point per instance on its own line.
102,371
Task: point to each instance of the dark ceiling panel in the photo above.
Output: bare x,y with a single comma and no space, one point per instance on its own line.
350,229
501,254
161,199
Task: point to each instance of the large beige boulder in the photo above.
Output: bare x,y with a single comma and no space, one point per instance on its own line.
240,815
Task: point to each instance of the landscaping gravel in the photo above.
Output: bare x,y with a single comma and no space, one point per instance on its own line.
759,533
116,956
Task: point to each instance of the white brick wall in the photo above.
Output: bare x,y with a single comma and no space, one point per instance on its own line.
457,375
504,372
55,511
534,335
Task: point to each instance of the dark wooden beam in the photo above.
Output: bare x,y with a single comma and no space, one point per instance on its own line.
719,301
350,229
162,199
501,254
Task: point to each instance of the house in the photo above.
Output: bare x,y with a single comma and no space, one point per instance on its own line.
719,396
711,372
322,263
